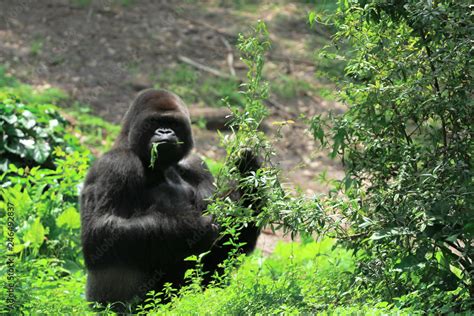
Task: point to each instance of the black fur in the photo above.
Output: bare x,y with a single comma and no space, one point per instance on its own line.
139,223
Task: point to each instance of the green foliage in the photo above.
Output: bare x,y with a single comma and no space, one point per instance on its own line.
406,142
95,133
311,278
10,86
45,287
47,254
29,132
39,191
45,203
246,138
30,126
214,166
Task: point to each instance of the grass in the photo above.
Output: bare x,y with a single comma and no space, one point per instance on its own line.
287,88
86,3
93,131
27,93
36,47
296,279
195,87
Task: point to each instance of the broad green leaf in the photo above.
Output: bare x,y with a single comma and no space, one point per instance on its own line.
41,152
10,119
35,234
70,218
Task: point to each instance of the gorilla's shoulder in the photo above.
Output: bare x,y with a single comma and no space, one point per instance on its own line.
118,164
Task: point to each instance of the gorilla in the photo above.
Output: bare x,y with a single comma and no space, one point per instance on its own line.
142,216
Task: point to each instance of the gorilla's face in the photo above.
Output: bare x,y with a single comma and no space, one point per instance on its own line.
166,142
170,135
162,121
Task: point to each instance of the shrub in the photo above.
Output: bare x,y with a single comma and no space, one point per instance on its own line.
29,132
46,226
309,278
407,143
42,168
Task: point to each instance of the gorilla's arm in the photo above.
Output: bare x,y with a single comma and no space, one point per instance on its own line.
114,211
247,164
249,234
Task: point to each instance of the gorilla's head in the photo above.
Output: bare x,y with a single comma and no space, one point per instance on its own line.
157,117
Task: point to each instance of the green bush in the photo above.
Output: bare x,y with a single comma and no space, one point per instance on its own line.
46,230
42,168
406,141
29,132
311,278
30,126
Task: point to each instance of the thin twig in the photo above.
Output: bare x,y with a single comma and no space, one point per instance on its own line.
230,55
436,86
281,108
205,68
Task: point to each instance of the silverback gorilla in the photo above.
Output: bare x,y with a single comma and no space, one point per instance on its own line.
139,221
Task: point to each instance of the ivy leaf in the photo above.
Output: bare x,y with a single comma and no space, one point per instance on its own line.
28,123
12,119
41,152
28,143
15,148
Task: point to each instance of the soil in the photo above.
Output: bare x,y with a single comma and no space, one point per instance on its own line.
101,53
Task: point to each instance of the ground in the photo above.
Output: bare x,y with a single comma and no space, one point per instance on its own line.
102,52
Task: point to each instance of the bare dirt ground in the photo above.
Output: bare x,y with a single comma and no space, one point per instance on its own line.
101,53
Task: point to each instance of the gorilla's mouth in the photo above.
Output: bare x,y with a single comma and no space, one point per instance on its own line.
164,152
167,140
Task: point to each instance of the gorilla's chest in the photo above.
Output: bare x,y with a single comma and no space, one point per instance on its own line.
172,194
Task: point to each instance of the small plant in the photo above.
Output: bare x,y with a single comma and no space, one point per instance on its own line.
29,132
36,47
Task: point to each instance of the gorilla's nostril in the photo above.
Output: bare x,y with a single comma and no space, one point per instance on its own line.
164,131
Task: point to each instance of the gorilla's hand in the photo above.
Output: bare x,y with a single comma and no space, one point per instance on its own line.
208,221
248,161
